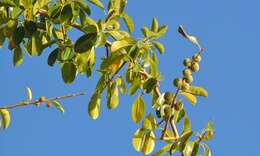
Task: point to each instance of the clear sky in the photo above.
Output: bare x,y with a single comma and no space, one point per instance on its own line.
229,31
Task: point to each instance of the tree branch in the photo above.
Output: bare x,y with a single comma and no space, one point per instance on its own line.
41,100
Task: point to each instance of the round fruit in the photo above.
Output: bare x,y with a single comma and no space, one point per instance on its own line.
178,106
187,62
195,67
196,57
186,72
188,79
167,111
168,96
185,86
177,82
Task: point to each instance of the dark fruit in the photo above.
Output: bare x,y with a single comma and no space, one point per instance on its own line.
168,96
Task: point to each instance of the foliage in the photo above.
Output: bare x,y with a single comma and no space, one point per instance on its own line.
32,26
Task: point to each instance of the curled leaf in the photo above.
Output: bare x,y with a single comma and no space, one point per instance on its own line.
191,98
58,106
28,93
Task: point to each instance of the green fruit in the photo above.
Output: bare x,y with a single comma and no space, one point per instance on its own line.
185,86
186,72
168,96
188,79
177,82
178,106
195,67
167,111
196,57
187,62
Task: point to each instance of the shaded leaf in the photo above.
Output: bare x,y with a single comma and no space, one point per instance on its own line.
68,71
138,109
53,57
66,13
149,85
85,42
17,57
18,35
94,106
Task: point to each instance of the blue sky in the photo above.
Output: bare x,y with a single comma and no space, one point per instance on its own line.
229,31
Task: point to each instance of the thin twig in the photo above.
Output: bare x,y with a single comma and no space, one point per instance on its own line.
41,101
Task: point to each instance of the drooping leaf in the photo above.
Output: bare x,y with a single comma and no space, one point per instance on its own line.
191,149
119,44
164,150
19,35
18,56
198,91
94,106
134,87
6,118
138,109
85,42
97,3
191,98
53,57
68,71
186,125
129,23
58,106
66,13
28,94
159,46
112,96
143,141
149,85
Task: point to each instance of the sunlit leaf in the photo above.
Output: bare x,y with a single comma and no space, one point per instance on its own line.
186,125
198,91
138,109
119,44
155,25
149,122
134,87
159,46
58,106
191,98
28,94
97,3
143,141
191,149
6,118
129,23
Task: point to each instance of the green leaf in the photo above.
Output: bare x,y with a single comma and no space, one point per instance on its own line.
186,125
149,85
207,151
17,57
191,98
120,82
58,106
94,106
149,122
129,23
162,30
191,149
19,33
159,46
66,54
138,109
6,118
66,13
163,150
154,26
68,71
53,57
178,115
183,140
119,44
112,96
83,6
85,42
28,94
36,45
97,3
7,3
134,87
143,141
209,131
198,91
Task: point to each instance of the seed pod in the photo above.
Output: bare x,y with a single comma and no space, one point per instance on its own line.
178,106
168,96
186,72
195,67
196,57
185,86
187,62
188,79
177,82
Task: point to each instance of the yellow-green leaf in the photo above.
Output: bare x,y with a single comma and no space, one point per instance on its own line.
154,26
97,3
118,45
159,46
129,23
68,71
28,93
198,91
6,118
94,106
191,98
138,109
143,141
191,149
186,125
149,122
58,106
112,96
163,150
